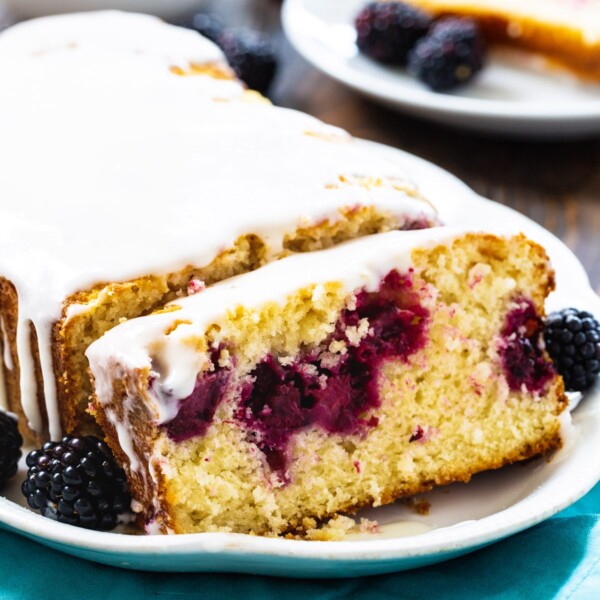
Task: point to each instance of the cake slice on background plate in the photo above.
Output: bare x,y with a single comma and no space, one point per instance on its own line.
134,167
330,381
566,31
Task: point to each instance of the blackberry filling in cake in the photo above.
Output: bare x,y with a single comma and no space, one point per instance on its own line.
330,381
524,361
319,388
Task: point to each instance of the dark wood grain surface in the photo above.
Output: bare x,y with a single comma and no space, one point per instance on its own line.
557,184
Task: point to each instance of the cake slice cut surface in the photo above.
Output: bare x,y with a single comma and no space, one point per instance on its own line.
331,381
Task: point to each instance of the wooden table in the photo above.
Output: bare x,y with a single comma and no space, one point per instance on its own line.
557,184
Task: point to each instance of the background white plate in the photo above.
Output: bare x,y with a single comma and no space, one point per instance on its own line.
515,94
462,517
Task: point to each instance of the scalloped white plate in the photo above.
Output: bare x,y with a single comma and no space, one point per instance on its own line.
462,518
516,93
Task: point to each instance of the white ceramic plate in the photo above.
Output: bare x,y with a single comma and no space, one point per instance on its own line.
462,517
515,94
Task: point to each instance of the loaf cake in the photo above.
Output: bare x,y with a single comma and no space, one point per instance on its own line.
135,166
332,380
567,31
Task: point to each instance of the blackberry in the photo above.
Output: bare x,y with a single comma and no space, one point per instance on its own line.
386,31
10,447
450,55
252,55
207,25
77,481
573,341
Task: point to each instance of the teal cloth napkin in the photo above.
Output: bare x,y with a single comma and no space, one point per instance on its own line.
559,558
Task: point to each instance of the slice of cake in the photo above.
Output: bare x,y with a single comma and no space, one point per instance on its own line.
332,380
125,182
568,31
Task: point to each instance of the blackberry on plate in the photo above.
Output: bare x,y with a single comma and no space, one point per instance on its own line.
207,25
252,55
10,447
386,31
449,55
573,341
77,481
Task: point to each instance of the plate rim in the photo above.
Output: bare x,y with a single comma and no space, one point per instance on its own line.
370,556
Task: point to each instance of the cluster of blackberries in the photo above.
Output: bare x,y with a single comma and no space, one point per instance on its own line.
251,54
74,481
77,481
573,341
443,53
10,447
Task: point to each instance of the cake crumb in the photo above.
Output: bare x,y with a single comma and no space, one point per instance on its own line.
351,303
423,434
368,526
333,530
194,286
356,333
318,293
338,347
478,273
419,505
224,358
330,361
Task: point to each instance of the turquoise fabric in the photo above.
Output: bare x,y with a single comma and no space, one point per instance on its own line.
557,559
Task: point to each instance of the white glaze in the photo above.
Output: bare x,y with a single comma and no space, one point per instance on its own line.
125,439
114,167
152,342
104,32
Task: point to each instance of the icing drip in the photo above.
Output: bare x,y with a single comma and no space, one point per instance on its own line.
8,363
27,379
125,440
131,158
